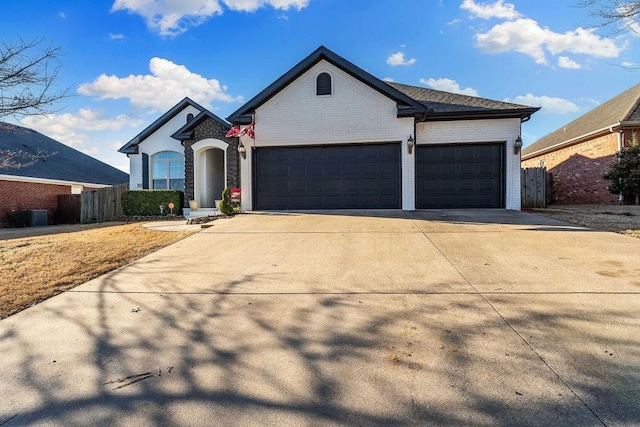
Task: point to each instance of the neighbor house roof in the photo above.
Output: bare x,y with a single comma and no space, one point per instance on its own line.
63,163
412,101
441,105
186,131
131,147
622,110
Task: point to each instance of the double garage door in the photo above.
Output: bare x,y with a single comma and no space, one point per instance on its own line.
369,177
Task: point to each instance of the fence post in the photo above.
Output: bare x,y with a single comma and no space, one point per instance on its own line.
533,187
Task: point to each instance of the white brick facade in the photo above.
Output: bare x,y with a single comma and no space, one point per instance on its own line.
488,130
354,113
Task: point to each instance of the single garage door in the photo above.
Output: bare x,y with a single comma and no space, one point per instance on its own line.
327,177
460,176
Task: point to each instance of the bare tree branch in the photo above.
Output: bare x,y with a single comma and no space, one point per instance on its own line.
621,15
28,74
16,159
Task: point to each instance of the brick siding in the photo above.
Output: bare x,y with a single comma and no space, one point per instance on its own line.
15,195
577,171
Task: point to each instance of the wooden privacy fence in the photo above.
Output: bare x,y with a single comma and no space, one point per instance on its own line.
534,192
101,205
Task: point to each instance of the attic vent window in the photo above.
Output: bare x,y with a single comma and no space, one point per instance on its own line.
323,84
189,117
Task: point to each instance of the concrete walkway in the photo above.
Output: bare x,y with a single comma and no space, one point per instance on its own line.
345,318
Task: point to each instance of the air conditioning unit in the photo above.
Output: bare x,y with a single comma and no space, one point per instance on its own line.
36,218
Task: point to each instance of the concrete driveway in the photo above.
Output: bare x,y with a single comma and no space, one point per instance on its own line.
351,318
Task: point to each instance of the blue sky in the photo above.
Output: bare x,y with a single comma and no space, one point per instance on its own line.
128,61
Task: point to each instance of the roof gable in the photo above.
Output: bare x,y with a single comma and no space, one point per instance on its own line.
186,131
131,147
617,111
406,105
66,164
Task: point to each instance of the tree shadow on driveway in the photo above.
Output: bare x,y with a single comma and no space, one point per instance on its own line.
155,358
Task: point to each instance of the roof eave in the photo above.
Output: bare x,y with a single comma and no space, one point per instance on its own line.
599,132
523,115
161,121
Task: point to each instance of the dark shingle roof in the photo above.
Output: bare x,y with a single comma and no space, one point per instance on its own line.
66,164
623,108
131,147
445,103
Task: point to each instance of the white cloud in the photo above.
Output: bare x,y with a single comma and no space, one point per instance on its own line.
174,17
629,64
527,37
566,62
454,22
65,127
548,104
253,5
448,85
499,9
167,84
62,15
117,36
399,59
388,79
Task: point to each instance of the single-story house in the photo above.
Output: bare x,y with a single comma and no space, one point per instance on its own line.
185,149
580,152
63,171
329,135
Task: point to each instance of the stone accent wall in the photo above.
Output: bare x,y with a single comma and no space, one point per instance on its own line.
577,171
210,128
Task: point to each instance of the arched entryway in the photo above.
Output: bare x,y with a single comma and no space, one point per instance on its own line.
209,170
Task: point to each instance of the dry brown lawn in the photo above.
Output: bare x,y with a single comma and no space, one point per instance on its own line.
33,269
617,218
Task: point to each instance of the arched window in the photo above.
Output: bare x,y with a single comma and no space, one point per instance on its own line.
189,117
323,84
167,170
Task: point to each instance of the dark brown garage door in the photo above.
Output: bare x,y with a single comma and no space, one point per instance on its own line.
327,177
460,176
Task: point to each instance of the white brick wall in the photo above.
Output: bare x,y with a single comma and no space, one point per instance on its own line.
159,141
354,113
490,130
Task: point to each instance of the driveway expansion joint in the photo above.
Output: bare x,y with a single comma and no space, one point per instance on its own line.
504,319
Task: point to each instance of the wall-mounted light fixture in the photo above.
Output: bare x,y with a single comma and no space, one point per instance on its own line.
517,146
242,150
410,143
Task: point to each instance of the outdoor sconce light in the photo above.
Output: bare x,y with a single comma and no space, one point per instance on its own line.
410,143
242,151
517,145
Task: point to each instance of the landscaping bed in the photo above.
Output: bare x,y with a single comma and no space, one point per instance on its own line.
623,219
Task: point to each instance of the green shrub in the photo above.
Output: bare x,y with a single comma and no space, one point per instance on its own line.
225,204
148,202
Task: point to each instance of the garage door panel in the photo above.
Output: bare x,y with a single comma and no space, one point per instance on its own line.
460,176
328,177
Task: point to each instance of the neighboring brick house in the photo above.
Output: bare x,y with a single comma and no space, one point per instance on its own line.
185,149
579,153
37,186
